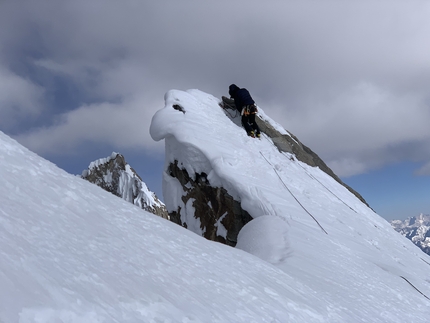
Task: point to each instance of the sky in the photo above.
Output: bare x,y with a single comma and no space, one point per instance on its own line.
82,79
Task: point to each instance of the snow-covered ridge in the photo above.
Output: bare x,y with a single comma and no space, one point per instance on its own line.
305,222
73,253
115,175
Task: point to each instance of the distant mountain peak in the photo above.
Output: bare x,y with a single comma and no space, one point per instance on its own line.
416,229
115,175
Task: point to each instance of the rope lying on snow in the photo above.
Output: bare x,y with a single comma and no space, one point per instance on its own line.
415,287
311,176
425,261
285,185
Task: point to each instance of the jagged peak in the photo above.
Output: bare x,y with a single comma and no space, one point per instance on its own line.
416,229
115,175
117,159
413,221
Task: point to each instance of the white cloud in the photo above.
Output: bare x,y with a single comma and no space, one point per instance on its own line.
361,124
349,79
19,98
347,167
424,170
123,125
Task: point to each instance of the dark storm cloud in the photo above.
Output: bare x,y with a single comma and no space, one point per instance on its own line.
350,79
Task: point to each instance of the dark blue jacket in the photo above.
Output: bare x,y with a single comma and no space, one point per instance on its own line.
241,97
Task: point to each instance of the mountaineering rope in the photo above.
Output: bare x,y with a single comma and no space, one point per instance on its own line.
276,172
415,287
425,261
311,176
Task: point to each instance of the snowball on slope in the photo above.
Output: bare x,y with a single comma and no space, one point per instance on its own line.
265,237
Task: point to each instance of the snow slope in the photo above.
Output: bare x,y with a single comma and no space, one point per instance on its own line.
73,253
305,223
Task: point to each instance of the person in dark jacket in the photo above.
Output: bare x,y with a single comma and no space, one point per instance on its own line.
247,108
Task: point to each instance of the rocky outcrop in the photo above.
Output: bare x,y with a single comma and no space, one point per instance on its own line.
416,229
115,175
220,216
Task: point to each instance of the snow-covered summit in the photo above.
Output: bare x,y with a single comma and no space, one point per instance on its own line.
305,222
115,175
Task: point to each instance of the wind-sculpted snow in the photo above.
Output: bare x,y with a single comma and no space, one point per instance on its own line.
356,265
73,253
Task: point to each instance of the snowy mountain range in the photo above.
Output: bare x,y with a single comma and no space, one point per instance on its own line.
308,248
416,229
115,175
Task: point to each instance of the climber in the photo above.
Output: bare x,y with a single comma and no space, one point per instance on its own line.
247,108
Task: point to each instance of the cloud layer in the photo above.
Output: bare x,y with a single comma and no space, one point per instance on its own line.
349,79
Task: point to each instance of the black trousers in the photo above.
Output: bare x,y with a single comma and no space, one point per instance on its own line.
249,123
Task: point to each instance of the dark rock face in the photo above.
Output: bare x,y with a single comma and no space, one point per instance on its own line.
221,217
416,229
114,175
